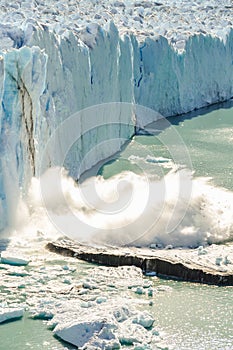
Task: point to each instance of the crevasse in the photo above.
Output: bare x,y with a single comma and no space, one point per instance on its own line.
47,78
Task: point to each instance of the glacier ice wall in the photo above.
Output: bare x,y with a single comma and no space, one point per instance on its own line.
46,78
22,83
173,83
79,77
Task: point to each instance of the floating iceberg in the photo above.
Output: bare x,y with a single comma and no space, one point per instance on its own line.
8,314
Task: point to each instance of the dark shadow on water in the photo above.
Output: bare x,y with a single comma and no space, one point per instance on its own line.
155,128
12,320
201,112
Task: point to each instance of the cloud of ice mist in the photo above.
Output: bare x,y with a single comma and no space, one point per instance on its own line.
130,209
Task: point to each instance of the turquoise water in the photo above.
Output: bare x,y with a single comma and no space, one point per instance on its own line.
207,134
196,317
28,334
190,316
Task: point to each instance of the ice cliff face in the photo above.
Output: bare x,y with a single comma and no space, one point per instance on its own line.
173,83
22,83
46,78
107,68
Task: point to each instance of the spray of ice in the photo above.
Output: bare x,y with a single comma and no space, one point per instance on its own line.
130,209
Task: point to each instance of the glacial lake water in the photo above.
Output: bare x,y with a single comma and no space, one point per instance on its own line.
191,316
206,135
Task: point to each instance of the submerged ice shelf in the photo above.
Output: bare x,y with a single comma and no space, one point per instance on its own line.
56,60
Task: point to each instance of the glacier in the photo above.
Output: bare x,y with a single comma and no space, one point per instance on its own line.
46,78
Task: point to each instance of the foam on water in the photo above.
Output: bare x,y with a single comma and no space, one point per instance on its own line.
129,209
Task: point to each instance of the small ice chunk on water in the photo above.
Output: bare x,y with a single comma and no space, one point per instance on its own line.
86,304
42,315
147,284
139,290
155,332
7,314
67,281
101,300
157,160
14,261
150,273
218,261
144,319
89,285
153,246
122,314
226,261
201,251
150,292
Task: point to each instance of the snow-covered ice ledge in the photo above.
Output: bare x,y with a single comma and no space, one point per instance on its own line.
46,75
193,265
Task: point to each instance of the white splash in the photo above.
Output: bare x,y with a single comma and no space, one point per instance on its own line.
130,209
